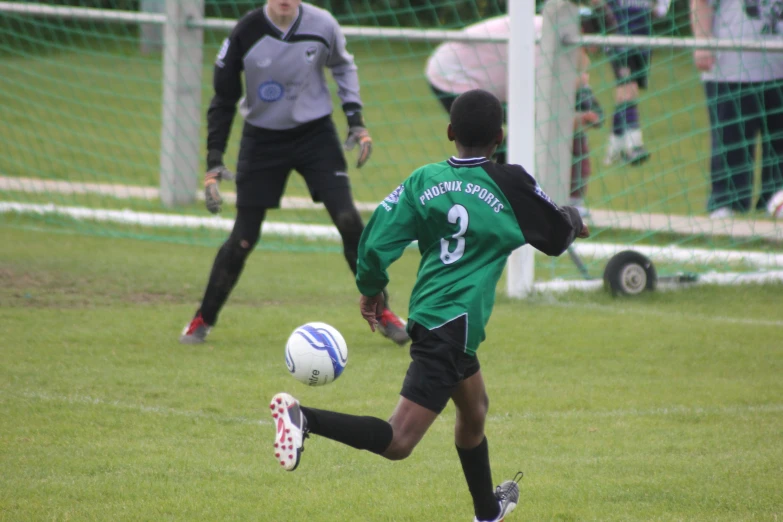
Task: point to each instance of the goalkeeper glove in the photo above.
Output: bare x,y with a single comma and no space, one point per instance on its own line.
587,102
358,135
215,173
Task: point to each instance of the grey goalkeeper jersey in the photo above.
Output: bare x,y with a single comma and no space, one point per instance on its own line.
285,84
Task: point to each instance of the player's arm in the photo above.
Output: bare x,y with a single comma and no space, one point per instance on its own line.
227,82
391,228
546,226
702,13
346,75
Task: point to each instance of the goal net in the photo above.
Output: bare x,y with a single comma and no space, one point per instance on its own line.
92,143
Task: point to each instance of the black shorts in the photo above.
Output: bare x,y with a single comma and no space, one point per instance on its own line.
267,157
439,364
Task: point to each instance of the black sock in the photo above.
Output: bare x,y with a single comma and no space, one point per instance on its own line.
225,272
364,433
475,465
230,260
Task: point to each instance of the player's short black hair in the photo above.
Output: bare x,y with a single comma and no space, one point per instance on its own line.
476,118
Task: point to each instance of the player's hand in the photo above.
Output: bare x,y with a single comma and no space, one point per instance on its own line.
586,120
359,136
587,103
585,232
704,59
371,309
211,181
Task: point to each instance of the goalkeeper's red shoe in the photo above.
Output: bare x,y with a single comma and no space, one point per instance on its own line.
391,326
195,332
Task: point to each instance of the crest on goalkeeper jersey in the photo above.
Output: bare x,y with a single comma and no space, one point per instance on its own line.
394,197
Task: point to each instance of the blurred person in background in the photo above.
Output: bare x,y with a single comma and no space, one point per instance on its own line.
457,67
744,99
631,66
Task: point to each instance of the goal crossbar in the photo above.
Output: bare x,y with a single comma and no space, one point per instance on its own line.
391,33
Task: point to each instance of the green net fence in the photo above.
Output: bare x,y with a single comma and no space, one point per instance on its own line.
80,143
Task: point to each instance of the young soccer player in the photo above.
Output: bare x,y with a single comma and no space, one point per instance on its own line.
282,48
468,214
631,67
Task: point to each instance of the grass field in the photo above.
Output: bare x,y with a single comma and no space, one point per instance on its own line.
664,408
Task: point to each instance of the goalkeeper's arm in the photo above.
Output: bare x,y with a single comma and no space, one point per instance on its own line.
227,81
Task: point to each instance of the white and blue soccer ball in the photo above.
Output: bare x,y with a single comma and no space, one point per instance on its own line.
316,354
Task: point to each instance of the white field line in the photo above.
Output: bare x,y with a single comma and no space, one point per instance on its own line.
150,219
761,260
143,408
647,222
667,411
674,316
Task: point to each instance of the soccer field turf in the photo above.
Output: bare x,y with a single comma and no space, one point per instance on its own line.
661,408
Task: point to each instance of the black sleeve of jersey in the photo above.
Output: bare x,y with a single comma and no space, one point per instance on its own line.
546,226
227,81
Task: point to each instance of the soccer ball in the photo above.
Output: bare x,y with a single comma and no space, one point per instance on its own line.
775,205
316,354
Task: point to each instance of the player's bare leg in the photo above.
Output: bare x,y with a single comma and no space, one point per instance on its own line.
626,142
409,423
394,440
489,503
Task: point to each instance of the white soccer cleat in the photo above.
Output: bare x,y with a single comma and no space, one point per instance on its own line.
722,213
508,497
291,430
634,152
614,149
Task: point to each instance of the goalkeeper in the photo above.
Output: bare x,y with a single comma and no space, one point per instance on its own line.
456,67
282,48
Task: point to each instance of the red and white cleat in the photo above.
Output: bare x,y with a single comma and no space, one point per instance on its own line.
195,332
291,430
392,327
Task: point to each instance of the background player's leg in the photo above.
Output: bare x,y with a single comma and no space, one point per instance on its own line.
339,203
472,404
772,143
231,260
635,152
225,272
732,186
580,172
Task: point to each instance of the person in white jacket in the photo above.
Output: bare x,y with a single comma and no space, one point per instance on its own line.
457,67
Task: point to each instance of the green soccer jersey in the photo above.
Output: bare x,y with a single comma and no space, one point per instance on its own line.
468,215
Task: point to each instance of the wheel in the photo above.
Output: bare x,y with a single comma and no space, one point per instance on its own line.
629,273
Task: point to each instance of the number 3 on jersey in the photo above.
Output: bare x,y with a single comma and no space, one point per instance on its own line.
457,213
